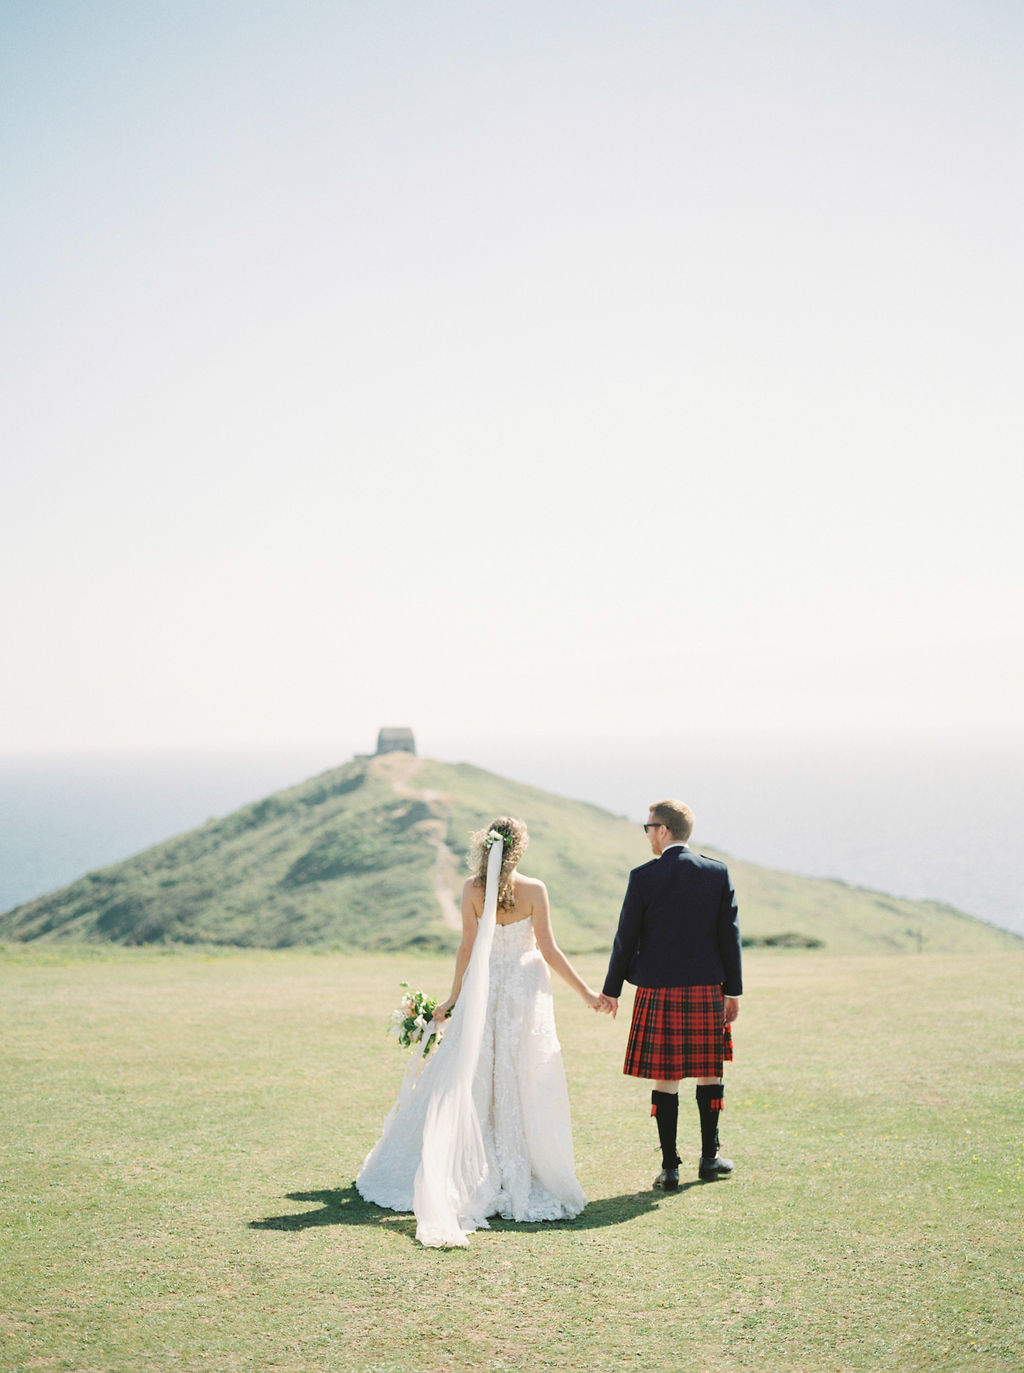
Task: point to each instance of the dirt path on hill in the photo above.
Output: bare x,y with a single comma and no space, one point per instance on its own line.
399,769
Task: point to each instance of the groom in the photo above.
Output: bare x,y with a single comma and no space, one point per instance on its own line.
678,941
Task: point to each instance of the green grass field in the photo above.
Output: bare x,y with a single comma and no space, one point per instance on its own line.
181,1131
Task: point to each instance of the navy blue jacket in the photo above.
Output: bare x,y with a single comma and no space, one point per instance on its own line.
678,927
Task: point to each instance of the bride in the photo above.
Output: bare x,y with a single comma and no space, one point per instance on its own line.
484,1129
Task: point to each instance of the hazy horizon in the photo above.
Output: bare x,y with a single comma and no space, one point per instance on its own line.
915,821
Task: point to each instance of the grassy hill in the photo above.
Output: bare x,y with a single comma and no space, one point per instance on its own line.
370,856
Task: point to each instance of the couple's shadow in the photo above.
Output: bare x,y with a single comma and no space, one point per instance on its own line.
344,1206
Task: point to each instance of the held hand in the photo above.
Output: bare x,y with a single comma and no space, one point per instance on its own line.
611,1005
594,1000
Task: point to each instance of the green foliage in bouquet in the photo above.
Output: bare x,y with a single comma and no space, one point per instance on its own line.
414,1017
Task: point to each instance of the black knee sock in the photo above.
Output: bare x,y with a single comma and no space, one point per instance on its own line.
710,1101
665,1109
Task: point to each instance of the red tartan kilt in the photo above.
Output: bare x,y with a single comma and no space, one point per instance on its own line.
678,1032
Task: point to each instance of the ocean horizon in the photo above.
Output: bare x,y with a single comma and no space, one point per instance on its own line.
909,818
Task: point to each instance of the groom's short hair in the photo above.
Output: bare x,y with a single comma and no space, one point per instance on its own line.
676,816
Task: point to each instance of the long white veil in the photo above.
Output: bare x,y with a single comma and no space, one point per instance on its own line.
451,1191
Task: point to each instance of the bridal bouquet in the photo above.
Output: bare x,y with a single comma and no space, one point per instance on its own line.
413,1018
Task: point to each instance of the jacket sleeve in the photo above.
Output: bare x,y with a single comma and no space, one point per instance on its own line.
729,946
627,936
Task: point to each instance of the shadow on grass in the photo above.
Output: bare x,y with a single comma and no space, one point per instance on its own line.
598,1214
338,1206
344,1206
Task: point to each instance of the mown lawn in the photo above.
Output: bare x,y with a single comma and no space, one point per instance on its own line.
180,1133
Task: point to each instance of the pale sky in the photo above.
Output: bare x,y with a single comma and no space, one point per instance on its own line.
549,368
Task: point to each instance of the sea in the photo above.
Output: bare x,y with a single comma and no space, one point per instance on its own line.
919,817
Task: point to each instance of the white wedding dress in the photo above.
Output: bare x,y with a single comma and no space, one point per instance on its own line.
484,1130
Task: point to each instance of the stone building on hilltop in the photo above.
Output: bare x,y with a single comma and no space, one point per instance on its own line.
396,740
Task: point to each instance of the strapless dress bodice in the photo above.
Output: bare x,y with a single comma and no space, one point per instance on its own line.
511,941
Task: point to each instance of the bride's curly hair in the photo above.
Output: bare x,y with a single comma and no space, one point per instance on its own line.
514,842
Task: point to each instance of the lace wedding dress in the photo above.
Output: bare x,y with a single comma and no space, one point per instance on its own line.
484,1130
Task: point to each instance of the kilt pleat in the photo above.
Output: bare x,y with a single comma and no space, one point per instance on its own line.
678,1032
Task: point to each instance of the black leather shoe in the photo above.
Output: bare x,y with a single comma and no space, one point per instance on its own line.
711,1169
667,1180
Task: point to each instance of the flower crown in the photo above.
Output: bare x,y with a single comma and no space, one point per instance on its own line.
493,836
